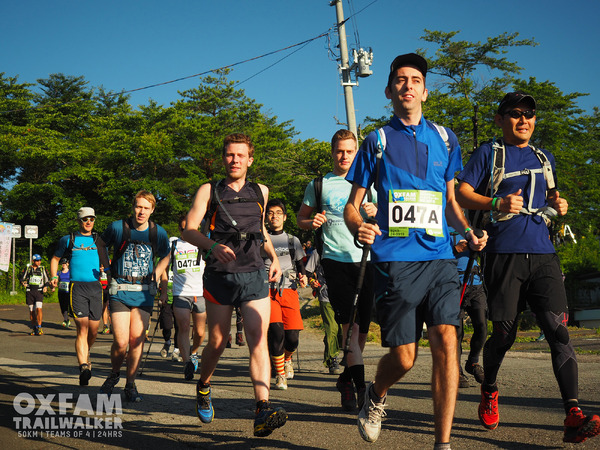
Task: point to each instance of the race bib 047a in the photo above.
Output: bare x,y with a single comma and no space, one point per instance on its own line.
415,209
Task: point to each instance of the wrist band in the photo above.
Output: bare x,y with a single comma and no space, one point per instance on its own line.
494,200
55,278
210,250
467,231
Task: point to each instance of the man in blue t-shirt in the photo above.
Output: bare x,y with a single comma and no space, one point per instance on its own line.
85,287
132,286
521,264
414,276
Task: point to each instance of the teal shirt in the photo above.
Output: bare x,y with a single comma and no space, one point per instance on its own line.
338,242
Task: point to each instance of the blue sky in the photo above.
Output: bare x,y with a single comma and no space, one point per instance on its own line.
132,44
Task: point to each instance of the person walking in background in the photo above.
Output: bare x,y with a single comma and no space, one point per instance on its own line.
35,280
64,278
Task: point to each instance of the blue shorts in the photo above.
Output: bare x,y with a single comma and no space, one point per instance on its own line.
408,294
232,289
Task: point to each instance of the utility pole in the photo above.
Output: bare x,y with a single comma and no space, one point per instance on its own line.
362,61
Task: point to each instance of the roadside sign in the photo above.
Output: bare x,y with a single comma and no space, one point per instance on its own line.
16,231
31,232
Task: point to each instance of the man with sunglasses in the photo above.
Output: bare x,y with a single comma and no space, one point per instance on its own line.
520,261
86,290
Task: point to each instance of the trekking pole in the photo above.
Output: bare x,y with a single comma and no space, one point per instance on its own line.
361,277
151,341
477,232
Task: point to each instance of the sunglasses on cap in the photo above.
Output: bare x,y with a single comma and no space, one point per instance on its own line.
88,219
516,114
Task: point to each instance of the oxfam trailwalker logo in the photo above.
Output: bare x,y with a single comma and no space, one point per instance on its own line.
66,415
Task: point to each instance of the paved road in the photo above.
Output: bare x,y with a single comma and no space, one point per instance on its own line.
530,408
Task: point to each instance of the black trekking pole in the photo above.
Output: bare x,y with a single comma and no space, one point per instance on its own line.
141,372
477,232
361,277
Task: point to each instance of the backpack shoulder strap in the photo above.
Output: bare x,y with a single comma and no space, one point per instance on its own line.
292,248
208,223
259,195
318,187
546,168
118,251
443,134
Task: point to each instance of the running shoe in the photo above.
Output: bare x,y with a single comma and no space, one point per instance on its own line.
194,360
165,350
579,427
288,368
228,342
39,331
369,417
334,367
268,419
106,329
346,389
110,383
85,373
188,370
488,409
280,383
34,331
239,339
131,393
463,381
204,408
65,324
176,356
476,370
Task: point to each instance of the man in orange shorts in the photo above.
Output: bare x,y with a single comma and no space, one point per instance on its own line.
286,321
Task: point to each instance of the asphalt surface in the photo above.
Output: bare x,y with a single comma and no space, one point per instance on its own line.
531,413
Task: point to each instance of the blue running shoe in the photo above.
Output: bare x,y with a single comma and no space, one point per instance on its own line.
268,419
204,407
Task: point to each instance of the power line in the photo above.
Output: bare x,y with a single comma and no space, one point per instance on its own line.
123,92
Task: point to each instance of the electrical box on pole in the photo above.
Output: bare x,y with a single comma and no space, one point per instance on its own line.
360,67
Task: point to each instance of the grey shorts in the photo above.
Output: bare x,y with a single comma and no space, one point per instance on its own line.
193,303
408,294
86,299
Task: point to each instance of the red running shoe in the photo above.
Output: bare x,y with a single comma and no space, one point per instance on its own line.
579,427
488,409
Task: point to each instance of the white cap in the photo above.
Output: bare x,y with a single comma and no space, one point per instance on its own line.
85,212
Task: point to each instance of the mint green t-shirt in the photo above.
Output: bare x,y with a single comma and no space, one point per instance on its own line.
338,242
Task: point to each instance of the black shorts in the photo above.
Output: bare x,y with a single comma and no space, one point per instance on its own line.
514,279
341,281
86,299
408,294
145,311
33,297
232,289
474,297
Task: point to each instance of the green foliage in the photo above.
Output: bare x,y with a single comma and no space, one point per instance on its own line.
72,145
582,257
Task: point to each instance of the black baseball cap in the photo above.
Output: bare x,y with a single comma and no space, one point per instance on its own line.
408,59
512,99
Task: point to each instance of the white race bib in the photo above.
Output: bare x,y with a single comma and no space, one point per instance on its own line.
415,209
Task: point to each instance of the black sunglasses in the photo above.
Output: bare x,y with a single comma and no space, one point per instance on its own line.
516,114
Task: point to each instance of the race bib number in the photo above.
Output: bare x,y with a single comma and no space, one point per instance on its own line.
415,209
187,262
35,280
63,286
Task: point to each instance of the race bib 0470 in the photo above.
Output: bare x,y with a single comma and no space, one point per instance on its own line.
415,209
